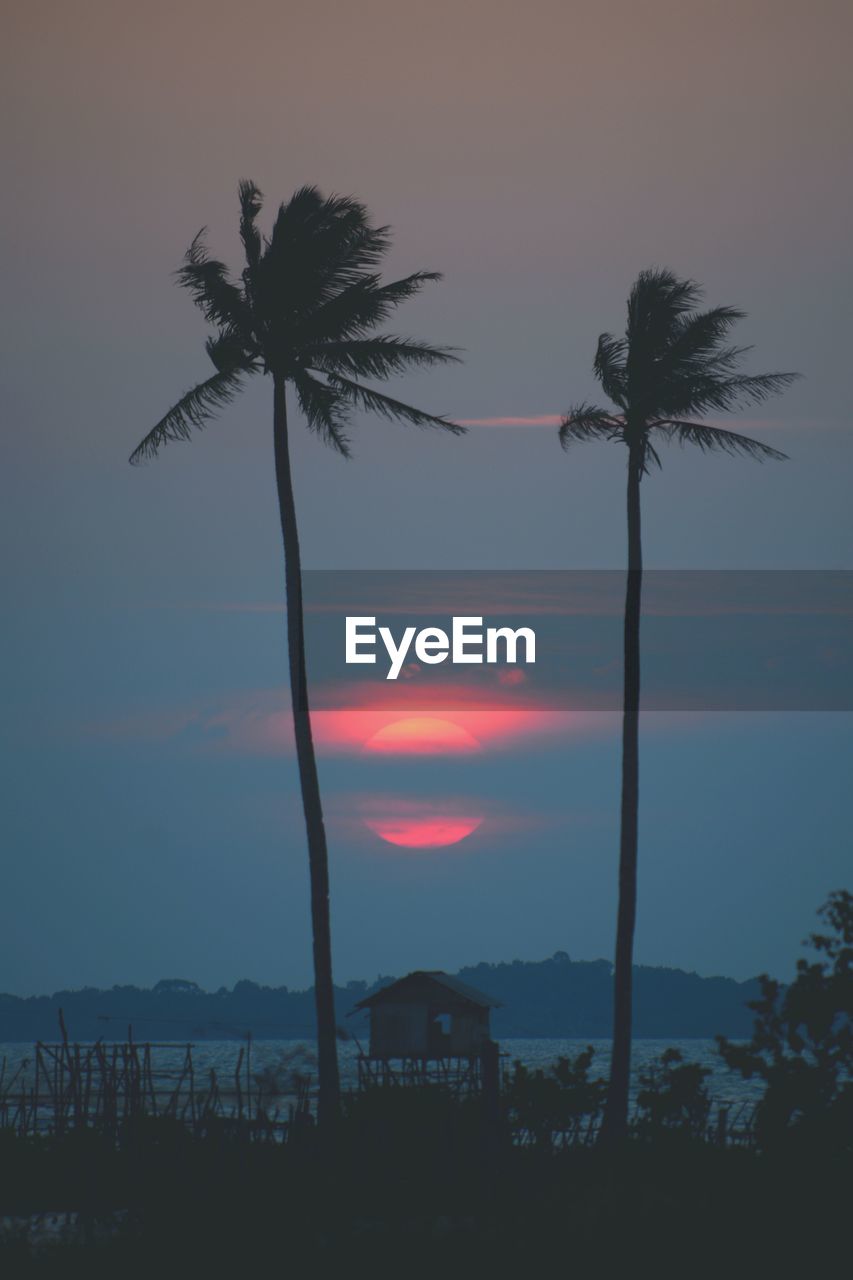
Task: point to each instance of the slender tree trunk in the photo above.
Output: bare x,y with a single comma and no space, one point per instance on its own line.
616,1115
327,1055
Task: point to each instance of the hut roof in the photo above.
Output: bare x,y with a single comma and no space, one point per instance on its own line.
415,986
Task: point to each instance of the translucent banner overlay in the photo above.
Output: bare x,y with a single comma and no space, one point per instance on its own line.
715,641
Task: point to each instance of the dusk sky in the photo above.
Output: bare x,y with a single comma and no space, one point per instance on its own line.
539,156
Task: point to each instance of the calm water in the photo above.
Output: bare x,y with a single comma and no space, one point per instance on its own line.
281,1058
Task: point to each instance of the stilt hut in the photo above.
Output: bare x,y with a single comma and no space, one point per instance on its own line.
429,1026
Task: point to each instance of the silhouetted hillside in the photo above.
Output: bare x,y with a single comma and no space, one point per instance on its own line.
563,997
553,998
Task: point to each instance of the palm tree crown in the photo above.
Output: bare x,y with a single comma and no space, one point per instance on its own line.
673,365
304,311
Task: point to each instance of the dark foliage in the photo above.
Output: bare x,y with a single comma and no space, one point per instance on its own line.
428,1198
558,1105
673,365
673,1098
802,1042
305,308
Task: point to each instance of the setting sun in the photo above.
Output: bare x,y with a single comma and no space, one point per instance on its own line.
423,832
422,735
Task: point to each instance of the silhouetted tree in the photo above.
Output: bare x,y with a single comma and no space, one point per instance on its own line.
673,1097
558,1105
304,312
672,365
802,1042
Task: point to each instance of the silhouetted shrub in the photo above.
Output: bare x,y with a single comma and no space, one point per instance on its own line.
673,1097
802,1043
558,1105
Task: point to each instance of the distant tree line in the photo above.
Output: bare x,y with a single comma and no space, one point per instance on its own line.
556,998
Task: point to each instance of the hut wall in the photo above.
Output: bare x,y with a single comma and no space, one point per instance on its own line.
398,1031
468,1032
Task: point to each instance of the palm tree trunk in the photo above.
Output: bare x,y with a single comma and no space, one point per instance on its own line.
327,1049
616,1115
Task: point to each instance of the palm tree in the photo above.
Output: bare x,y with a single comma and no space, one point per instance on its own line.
673,365
304,312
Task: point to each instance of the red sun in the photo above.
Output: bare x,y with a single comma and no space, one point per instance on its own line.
422,735
431,832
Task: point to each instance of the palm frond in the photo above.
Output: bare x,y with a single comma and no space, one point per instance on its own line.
650,454
335,228
658,289
227,351
709,392
193,411
587,422
699,334
656,303
212,290
305,311
379,356
716,439
355,311
319,247
323,408
718,362
387,407
251,199
657,306
609,367
752,388
674,364
693,357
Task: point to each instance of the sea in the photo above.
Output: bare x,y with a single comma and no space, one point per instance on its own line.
284,1061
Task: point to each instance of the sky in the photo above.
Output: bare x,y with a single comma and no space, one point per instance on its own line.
539,156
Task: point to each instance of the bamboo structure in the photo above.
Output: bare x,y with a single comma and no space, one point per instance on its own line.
459,1075
110,1086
